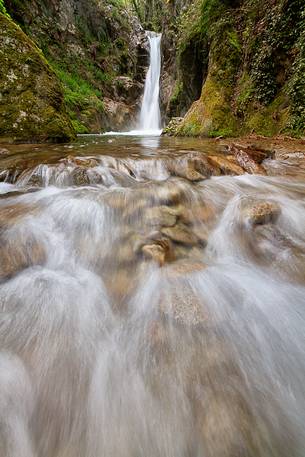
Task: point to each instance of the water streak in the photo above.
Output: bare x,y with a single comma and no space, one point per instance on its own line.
150,110
142,314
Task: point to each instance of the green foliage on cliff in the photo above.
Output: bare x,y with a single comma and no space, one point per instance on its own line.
32,107
2,7
253,77
88,44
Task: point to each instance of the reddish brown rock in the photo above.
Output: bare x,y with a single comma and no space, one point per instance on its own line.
245,160
225,166
261,212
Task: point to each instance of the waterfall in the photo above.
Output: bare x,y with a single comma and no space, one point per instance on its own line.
150,118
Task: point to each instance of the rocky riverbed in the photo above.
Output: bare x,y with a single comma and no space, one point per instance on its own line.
152,298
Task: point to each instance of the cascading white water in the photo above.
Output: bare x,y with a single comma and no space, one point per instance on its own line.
146,314
150,118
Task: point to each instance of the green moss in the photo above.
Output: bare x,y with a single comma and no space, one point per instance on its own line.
32,107
270,120
3,9
211,115
79,127
256,67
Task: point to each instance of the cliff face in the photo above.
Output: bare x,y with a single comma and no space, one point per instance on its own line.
248,58
32,106
98,50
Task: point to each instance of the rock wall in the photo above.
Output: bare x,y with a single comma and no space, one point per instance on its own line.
98,50
32,103
250,58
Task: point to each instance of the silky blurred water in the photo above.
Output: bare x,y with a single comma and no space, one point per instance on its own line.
106,352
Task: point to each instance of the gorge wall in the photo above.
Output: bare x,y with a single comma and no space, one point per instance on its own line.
32,103
241,63
230,67
98,51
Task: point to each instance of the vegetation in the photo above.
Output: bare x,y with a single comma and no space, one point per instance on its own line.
241,61
87,53
255,65
32,106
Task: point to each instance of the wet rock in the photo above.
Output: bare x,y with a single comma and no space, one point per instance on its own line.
94,177
202,234
203,165
120,283
161,216
245,160
184,267
86,162
180,234
134,209
12,214
184,308
225,166
159,249
154,252
203,213
169,195
193,175
261,212
172,127
185,168
80,177
16,255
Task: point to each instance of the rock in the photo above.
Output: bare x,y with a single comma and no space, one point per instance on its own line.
226,167
118,113
180,234
19,254
4,151
159,248
189,168
193,175
202,234
86,162
254,152
12,214
169,195
183,267
246,161
261,212
80,177
154,252
32,103
172,127
203,165
160,216
203,213
183,307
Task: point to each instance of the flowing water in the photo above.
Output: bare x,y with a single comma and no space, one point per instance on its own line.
145,314
150,117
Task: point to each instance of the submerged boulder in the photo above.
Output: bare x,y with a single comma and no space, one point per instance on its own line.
261,212
32,105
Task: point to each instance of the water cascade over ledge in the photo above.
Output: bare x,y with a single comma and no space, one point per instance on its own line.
150,305
150,116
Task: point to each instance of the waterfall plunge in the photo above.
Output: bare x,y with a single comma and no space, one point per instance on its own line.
150,117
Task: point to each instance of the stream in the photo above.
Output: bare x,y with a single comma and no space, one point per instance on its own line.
150,307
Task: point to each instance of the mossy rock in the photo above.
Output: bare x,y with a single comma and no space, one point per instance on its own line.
32,106
211,115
